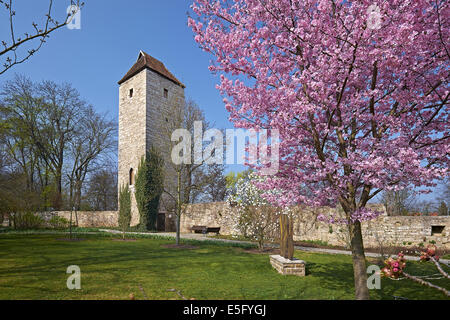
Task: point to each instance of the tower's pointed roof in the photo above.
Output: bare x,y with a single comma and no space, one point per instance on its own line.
145,60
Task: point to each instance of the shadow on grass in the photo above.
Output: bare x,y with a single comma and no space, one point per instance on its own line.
35,267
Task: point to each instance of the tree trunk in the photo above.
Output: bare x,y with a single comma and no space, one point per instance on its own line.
70,224
178,207
359,262
178,230
260,244
58,201
77,201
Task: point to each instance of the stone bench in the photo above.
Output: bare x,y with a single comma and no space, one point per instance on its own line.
286,266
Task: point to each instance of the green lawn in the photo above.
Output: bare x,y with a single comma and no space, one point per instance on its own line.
34,267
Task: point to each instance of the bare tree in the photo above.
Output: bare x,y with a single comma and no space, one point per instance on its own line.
94,137
399,202
56,126
175,175
443,209
444,194
33,40
214,186
187,180
204,181
47,129
425,207
19,110
101,192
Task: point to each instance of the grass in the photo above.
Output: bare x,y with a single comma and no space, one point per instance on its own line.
34,267
230,237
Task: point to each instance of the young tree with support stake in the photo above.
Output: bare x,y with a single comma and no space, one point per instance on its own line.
190,177
358,91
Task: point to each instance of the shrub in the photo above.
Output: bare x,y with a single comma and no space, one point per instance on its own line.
57,222
254,217
149,188
27,220
259,223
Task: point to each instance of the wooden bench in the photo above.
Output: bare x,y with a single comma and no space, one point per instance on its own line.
198,229
213,229
205,229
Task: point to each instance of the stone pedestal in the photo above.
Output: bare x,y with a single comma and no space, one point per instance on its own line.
285,266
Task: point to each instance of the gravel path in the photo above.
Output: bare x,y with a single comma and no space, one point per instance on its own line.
201,237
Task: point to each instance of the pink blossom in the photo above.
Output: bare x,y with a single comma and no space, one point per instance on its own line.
358,109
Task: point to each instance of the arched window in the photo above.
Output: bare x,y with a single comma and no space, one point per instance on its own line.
131,177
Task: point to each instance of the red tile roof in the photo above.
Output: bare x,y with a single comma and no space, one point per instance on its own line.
147,61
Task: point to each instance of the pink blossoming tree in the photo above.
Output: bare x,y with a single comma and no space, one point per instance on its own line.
358,91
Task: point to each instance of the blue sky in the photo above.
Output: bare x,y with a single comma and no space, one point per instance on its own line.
95,57
112,32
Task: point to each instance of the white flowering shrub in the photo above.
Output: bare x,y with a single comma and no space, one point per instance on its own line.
256,218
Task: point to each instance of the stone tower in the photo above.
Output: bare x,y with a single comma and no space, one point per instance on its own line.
147,94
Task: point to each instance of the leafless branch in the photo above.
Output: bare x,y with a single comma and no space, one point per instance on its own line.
9,54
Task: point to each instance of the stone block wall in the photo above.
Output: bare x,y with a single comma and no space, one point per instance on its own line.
288,267
88,219
383,231
214,214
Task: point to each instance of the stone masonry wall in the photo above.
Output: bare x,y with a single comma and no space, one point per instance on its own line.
88,219
384,231
214,214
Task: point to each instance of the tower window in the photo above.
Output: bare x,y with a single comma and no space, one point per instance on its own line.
131,177
166,93
131,93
